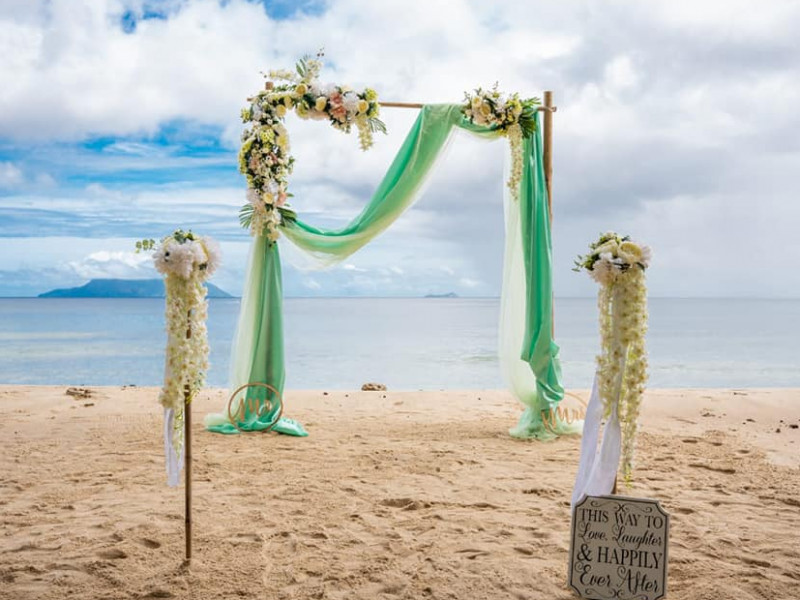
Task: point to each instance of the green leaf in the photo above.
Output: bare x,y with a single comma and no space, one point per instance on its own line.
287,213
246,215
376,125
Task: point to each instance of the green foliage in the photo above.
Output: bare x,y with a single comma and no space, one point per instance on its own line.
376,126
246,215
179,235
145,245
287,214
182,236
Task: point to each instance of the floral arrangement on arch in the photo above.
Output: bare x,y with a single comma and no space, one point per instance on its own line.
264,157
510,115
618,264
186,261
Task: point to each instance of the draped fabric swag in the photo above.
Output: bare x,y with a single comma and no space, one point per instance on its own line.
529,356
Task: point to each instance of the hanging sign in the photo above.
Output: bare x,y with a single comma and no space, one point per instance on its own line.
618,549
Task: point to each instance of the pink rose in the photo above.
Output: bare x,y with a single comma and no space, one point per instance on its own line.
339,113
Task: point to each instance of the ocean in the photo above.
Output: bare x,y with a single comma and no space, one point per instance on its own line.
430,344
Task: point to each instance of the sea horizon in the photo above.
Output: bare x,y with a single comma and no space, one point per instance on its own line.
423,297
404,342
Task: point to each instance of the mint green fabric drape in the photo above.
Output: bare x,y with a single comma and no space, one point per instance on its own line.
539,349
396,192
258,346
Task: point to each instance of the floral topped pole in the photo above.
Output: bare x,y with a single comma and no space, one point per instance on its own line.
618,264
186,261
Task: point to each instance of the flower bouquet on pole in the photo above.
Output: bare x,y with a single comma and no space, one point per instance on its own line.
618,264
186,261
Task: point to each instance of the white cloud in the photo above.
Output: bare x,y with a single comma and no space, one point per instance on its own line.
10,175
676,123
114,265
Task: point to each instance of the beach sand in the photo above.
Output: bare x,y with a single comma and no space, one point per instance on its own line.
394,495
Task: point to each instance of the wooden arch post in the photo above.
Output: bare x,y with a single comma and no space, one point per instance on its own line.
547,154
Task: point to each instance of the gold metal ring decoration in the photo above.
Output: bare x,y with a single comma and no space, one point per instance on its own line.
255,405
551,417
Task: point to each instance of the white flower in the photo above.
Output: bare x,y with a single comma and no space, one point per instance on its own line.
184,260
328,89
603,271
181,258
647,255
610,247
160,259
350,102
213,254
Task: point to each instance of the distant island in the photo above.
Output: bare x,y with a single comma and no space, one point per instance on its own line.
124,288
447,295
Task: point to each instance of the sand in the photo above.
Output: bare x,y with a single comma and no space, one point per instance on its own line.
394,495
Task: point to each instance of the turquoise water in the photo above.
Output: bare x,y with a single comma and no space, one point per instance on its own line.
340,343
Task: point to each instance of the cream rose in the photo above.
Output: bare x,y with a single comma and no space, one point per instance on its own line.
321,103
632,250
609,247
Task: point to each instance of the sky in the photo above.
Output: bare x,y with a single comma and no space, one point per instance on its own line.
677,123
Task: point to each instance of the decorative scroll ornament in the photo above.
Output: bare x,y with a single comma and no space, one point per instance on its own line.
186,261
618,265
511,116
264,157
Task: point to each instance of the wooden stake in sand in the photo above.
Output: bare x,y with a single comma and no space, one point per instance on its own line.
187,453
187,424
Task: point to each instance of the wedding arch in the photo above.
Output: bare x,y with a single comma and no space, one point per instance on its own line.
528,352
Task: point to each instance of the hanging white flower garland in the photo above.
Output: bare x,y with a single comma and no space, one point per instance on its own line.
511,116
618,265
186,261
264,156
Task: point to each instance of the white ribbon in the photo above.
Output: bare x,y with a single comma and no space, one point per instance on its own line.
597,469
173,459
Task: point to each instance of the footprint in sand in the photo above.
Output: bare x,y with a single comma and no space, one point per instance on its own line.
160,594
112,553
405,503
148,543
725,470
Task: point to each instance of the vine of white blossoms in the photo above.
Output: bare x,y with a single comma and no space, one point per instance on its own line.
186,261
618,264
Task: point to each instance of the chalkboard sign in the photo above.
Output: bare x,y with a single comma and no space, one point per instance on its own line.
619,549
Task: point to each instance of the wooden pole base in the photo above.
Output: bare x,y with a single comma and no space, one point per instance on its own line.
187,440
